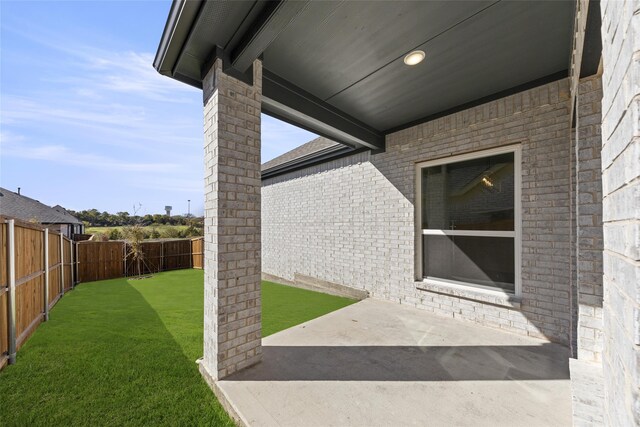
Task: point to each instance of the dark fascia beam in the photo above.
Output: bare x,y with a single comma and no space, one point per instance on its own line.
312,159
219,53
188,80
269,24
284,101
592,50
182,16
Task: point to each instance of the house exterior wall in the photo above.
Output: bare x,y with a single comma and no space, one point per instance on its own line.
352,220
621,209
65,229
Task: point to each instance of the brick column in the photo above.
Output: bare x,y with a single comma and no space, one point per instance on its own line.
232,309
587,383
621,209
589,219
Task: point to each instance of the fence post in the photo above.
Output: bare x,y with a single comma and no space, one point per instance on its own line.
11,277
71,260
61,262
46,274
75,264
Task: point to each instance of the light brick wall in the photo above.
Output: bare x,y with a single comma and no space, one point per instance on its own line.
621,209
589,244
232,309
573,285
351,221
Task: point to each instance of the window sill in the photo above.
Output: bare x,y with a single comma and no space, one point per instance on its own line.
486,296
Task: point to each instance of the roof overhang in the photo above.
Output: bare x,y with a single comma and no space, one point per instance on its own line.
336,68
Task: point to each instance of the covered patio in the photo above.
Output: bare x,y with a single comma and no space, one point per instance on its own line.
480,148
377,363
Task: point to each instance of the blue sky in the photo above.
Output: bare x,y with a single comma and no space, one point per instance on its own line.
85,120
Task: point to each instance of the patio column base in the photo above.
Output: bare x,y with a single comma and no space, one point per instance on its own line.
232,302
221,396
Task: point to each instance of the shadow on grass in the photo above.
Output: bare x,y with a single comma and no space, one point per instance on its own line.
106,358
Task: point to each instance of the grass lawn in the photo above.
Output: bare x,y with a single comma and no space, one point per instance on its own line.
122,352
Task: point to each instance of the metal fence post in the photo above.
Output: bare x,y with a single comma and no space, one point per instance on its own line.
11,277
46,274
62,262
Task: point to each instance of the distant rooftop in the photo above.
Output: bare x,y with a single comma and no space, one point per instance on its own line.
314,146
25,208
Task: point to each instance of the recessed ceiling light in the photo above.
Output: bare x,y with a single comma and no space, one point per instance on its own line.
414,58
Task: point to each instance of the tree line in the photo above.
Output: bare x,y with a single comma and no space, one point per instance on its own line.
95,218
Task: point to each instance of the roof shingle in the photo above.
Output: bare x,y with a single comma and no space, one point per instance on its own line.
310,147
27,209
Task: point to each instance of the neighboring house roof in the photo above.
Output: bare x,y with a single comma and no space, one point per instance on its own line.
18,206
310,147
316,151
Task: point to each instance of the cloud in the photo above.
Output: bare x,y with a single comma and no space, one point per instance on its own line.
129,73
132,73
10,137
110,123
101,70
15,147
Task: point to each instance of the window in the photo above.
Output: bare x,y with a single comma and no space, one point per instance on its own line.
469,220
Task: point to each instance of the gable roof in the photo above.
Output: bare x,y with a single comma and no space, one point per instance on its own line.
25,208
310,147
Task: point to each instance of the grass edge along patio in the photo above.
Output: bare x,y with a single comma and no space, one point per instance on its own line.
122,351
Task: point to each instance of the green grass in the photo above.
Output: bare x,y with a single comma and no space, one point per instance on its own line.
284,306
122,352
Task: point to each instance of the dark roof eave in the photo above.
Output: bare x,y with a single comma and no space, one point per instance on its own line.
182,16
312,159
62,222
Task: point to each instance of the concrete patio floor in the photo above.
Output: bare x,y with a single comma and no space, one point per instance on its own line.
377,363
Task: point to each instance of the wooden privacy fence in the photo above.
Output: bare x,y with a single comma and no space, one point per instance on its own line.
110,260
37,267
197,252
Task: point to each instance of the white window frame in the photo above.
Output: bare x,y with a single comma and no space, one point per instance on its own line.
516,234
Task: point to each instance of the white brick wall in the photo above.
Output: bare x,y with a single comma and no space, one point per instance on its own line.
351,221
621,209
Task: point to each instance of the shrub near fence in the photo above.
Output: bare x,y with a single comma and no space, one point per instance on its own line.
39,265
163,256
